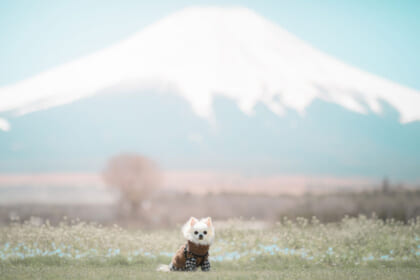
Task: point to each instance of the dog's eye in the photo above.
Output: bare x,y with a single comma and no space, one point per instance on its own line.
195,232
205,232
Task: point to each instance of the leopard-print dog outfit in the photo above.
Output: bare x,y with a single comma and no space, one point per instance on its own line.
190,256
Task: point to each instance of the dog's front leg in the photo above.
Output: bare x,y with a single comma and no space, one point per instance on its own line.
205,266
191,264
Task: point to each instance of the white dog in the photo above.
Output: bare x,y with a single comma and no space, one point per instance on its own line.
199,235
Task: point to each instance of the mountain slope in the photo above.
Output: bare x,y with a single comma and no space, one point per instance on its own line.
201,52
328,140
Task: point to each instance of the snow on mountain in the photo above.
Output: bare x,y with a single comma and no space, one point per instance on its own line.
4,125
201,52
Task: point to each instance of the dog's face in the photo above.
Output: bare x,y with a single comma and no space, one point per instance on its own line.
199,231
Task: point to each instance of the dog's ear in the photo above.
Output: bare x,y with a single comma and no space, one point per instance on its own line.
192,221
208,222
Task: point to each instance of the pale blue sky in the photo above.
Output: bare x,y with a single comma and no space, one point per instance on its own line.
381,37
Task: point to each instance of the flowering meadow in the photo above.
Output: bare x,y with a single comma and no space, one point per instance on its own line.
363,248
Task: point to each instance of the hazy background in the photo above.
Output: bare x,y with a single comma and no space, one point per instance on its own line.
206,120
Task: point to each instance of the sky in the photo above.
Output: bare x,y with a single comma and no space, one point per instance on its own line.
377,36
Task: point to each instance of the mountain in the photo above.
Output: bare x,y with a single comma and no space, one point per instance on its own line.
328,140
206,51
212,88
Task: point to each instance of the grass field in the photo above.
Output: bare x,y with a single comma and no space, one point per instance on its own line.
355,248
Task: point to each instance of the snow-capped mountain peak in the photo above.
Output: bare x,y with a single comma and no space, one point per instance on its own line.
201,52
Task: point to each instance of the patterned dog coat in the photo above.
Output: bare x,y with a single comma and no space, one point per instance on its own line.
190,256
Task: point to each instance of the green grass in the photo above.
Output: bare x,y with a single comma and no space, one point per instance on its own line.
274,268
85,271
355,248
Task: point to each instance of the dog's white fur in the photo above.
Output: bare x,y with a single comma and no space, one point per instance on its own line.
188,230
163,268
200,226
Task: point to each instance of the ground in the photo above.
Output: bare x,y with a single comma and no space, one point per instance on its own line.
146,271
355,248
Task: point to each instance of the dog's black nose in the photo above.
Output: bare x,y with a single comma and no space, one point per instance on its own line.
200,236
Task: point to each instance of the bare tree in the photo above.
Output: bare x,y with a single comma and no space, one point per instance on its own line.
135,176
385,185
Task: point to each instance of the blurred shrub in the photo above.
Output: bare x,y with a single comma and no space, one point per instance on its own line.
401,205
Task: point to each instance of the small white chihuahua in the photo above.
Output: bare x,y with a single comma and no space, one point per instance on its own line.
199,235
